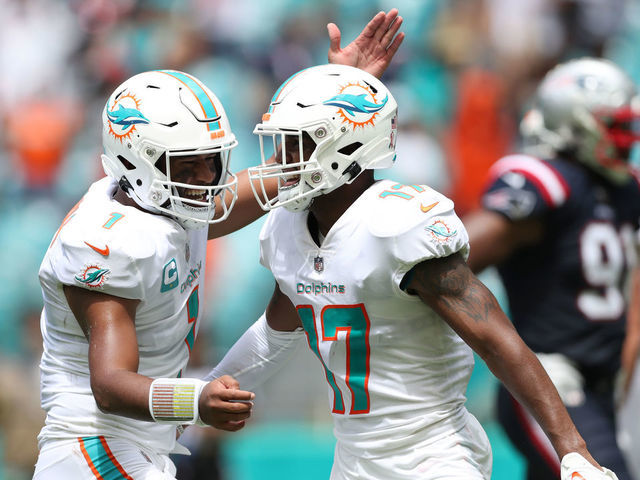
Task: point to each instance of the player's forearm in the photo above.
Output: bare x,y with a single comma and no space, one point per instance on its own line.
246,209
175,401
478,319
122,392
518,368
257,355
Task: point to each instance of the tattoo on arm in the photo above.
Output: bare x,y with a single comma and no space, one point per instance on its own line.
449,287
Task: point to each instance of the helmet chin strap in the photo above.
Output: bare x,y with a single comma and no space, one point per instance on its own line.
353,171
111,169
186,223
348,175
125,186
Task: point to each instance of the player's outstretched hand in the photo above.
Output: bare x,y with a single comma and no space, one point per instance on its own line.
374,48
575,467
223,405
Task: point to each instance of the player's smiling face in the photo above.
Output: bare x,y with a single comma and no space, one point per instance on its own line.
201,170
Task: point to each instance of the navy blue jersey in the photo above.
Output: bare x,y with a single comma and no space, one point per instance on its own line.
567,293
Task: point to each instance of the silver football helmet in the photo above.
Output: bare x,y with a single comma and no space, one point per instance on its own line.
589,109
155,117
324,126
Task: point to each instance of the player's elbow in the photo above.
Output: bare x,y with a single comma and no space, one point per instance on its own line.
103,397
104,402
488,349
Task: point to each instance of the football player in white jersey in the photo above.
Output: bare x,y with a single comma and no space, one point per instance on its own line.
373,275
122,277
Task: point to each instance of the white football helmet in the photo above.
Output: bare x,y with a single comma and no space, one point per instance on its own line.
155,117
587,108
325,125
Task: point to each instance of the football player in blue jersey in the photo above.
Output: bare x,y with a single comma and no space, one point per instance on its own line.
561,226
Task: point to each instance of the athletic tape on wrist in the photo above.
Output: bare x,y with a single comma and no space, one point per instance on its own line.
175,400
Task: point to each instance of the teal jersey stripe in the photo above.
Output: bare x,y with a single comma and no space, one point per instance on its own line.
207,104
102,461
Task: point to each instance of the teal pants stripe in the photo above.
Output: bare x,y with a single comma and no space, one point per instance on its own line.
101,460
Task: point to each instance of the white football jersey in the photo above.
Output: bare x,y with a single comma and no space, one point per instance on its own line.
105,246
397,373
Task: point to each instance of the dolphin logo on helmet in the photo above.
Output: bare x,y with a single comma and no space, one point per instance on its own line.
355,103
126,117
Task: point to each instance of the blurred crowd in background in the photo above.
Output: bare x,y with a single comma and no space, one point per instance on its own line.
463,77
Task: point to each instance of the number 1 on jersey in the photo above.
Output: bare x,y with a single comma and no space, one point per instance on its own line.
113,218
353,321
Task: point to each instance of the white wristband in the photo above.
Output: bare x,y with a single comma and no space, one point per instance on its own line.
175,400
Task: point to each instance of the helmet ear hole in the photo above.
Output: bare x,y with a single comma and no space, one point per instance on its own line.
349,149
126,163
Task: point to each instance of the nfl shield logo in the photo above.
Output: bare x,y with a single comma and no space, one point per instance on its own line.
318,264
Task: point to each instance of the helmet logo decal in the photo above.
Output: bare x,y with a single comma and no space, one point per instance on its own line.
357,104
124,115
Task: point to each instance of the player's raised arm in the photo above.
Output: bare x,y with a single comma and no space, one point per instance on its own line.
374,48
449,287
246,209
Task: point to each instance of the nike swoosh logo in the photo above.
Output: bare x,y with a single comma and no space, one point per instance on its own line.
428,207
576,476
102,251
